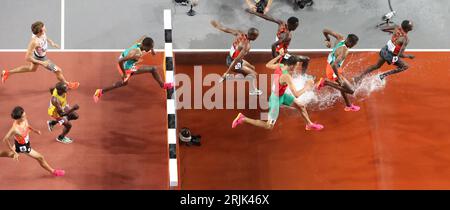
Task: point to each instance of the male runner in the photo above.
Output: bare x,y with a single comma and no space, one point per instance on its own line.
392,52
20,130
336,58
61,112
283,38
129,64
239,49
37,56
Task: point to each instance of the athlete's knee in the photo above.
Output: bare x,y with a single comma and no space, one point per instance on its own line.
305,59
54,67
269,126
149,68
33,68
350,91
40,158
252,72
67,125
252,75
73,116
404,67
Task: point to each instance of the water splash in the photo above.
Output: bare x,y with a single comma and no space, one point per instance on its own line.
369,85
327,97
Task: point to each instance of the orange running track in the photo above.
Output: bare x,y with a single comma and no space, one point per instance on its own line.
119,143
399,140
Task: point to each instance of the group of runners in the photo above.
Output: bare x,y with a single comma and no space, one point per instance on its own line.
285,64
129,64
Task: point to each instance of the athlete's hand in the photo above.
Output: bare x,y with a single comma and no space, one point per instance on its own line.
15,156
45,63
328,44
281,51
56,46
38,132
215,23
76,107
266,10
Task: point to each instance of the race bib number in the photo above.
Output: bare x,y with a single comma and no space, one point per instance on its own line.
133,68
287,56
394,59
23,148
238,66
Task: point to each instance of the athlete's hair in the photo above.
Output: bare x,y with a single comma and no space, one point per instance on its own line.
292,21
352,38
17,112
291,60
253,31
148,42
36,27
58,86
406,25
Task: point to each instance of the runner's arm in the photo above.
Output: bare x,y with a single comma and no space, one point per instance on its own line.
297,93
266,17
273,64
269,3
6,139
219,26
29,54
59,109
284,37
139,40
340,56
403,48
328,32
390,29
52,43
34,130
251,4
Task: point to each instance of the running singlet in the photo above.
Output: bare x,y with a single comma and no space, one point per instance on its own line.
392,47
129,63
41,49
332,55
61,99
283,29
234,52
24,136
277,85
